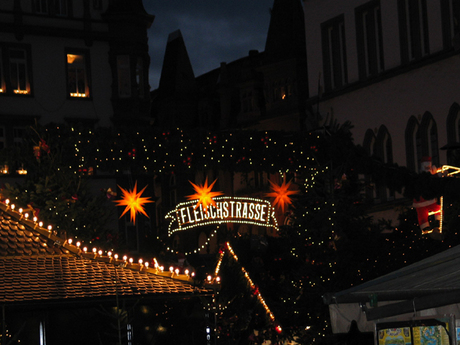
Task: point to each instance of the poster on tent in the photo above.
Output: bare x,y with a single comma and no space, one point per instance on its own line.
427,335
414,332
396,336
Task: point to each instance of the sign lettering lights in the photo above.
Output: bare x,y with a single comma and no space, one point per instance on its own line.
246,210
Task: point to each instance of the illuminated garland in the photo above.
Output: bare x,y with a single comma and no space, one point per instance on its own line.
102,151
78,248
252,285
219,263
198,249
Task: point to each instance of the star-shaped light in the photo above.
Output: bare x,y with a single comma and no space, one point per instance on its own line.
133,202
204,194
281,194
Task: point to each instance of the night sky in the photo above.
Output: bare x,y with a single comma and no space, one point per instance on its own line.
213,31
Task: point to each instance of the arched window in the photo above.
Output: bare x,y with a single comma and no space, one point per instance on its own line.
453,134
369,146
413,144
369,142
384,146
429,137
384,151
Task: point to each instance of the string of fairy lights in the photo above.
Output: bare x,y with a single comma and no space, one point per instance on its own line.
201,248
177,151
100,150
220,308
81,249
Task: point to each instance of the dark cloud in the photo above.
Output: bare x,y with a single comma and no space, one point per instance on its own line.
213,31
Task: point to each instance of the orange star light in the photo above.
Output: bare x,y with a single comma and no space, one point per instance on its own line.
133,202
281,194
204,194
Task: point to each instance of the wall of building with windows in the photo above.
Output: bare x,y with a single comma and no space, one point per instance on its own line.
59,60
388,63
52,69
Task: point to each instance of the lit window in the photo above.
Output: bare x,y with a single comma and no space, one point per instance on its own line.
77,76
18,71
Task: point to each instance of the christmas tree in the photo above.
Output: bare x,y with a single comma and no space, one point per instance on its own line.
56,187
271,287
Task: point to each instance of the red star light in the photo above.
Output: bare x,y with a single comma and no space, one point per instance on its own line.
133,202
204,194
281,194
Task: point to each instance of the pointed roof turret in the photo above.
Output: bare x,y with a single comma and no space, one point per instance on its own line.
177,73
286,32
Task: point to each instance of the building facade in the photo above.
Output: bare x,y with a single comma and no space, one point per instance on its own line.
74,61
262,91
391,68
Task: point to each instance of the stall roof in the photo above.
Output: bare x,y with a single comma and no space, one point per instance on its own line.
430,283
38,267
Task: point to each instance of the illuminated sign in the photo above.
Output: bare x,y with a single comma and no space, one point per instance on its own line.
226,210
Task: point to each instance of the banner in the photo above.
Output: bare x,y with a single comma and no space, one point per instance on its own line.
226,210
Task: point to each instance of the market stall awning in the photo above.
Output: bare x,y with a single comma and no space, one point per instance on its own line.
36,266
430,283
